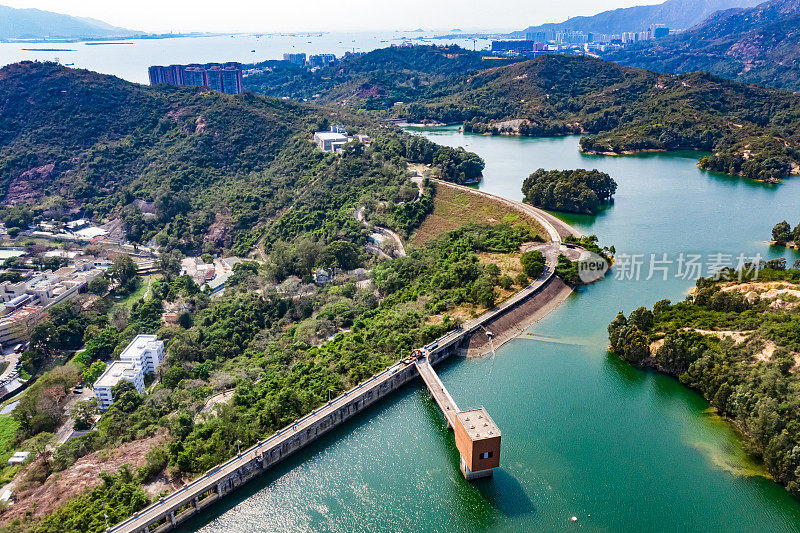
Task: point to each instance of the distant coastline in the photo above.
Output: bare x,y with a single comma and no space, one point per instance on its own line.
49,50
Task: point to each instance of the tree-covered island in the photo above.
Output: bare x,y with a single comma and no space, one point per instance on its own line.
572,191
784,235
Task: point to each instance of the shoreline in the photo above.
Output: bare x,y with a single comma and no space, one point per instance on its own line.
515,321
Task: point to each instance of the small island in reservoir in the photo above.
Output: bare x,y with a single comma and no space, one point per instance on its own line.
572,191
784,235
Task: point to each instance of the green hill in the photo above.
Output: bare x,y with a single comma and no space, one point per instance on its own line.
375,80
211,172
752,130
758,45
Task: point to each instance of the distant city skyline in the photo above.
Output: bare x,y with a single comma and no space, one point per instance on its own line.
182,16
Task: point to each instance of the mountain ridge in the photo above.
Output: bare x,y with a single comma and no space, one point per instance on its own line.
33,23
752,131
676,14
756,45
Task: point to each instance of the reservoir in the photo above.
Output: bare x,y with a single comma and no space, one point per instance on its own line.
584,434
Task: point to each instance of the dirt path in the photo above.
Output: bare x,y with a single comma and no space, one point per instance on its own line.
222,397
65,431
400,250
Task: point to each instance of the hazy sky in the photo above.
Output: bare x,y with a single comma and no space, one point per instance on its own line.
299,15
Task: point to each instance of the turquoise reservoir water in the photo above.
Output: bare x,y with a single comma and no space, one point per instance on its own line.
584,435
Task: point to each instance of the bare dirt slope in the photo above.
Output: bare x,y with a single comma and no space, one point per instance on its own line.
84,475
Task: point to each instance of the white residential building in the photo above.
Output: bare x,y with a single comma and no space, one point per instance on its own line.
116,372
142,356
334,140
145,352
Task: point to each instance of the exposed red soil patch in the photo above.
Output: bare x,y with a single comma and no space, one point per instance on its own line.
29,185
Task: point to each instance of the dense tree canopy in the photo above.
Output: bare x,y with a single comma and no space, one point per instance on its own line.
575,191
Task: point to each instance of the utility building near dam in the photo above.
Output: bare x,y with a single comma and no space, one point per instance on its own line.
478,443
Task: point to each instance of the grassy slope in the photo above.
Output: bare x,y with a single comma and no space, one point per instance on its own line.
453,209
8,427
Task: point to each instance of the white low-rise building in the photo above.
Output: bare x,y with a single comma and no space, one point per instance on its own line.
23,304
142,356
19,458
116,372
145,351
330,141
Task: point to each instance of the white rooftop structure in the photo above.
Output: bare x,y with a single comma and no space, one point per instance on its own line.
330,141
18,458
77,224
91,232
145,351
142,356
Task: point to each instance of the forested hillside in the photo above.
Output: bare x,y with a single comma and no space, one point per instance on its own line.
375,80
190,168
753,131
758,45
736,342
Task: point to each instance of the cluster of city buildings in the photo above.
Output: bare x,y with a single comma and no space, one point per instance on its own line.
25,303
335,139
223,77
142,356
313,61
551,41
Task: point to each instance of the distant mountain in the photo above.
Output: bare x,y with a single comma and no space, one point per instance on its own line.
37,24
759,45
676,14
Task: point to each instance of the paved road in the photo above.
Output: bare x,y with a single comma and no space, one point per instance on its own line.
399,249
12,359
